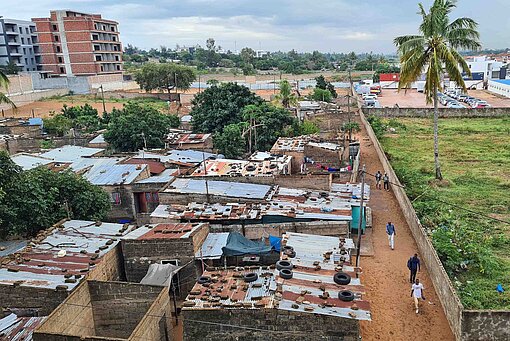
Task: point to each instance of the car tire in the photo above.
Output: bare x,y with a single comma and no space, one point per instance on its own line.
342,278
346,295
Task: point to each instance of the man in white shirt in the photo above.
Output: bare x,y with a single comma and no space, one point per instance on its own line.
417,293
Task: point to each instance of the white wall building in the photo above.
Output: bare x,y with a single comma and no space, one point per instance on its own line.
490,68
500,87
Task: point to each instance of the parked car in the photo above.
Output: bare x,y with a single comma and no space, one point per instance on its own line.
455,105
480,104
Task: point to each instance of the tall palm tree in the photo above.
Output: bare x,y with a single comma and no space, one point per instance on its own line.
286,97
435,50
4,83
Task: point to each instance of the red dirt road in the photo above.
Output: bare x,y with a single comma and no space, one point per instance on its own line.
386,277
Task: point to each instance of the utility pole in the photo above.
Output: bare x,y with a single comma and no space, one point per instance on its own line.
360,223
205,175
102,96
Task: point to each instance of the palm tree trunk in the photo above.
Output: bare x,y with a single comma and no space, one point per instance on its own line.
439,176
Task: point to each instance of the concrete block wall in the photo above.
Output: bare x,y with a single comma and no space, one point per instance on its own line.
110,268
41,299
72,318
485,325
158,323
257,231
29,97
118,307
443,112
271,324
330,158
447,295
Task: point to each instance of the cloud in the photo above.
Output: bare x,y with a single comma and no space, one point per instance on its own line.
304,25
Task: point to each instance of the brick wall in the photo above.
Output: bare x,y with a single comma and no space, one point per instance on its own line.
41,299
110,268
445,291
118,307
257,231
75,318
126,209
157,324
294,326
330,158
443,112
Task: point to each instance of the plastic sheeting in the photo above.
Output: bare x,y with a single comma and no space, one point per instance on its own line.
238,245
160,274
275,242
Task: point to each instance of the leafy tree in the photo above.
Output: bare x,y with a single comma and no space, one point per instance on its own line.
351,127
221,105
83,117
58,124
432,50
247,55
305,128
164,77
248,69
35,199
230,141
321,95
136,126
321,82
4,83
268,124
286,97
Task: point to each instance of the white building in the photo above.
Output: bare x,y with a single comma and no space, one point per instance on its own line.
500,87
483,68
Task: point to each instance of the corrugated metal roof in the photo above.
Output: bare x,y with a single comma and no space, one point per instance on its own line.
164,231
212,246
27,161
70,153
325,145
42,266
11,246
114,174
16,328
99,139
166,176
185,156
219,188
86,163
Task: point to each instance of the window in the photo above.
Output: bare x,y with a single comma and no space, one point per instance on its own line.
117,58
26,30
95,26
114,38
28,41
98,58
112,28
30,50
60,60
115,199
23,40
170,261
95,37
20,30
115,48
56,38
62,70
118,67
58,49
104,28
97,47
54,27
26,61
24,51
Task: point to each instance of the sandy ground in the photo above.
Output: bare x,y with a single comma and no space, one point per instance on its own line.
386,277
414,99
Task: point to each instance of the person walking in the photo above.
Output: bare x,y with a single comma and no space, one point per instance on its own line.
386,181
378,177
390,230
417,293
413,264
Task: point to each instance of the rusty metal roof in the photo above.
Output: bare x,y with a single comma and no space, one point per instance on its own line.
186,138
62,257
310,290
164,231
16,328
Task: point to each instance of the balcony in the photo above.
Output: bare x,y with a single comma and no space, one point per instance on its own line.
13,43
11,33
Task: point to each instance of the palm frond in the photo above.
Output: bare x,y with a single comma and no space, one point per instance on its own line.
463,23
6,100
4,81
451,65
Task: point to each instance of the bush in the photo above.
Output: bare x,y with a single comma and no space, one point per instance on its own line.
378,126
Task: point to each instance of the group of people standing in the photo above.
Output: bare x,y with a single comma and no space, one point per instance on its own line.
385,179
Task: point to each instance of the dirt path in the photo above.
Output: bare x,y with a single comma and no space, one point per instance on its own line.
386,277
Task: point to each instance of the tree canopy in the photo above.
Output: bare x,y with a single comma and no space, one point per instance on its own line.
286,97
164,77
135,126
435,50
230,141
221,105
36,199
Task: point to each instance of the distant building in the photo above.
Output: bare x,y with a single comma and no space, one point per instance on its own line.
483,68
74,43
500,87
19,44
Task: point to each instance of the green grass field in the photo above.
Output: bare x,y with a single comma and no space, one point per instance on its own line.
475,160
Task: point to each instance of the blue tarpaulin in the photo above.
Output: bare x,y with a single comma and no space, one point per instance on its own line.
238,245
275,242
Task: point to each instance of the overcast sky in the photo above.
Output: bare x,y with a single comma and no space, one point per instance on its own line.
304,25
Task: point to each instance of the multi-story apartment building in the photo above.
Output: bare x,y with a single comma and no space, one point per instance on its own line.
74,43
19,44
